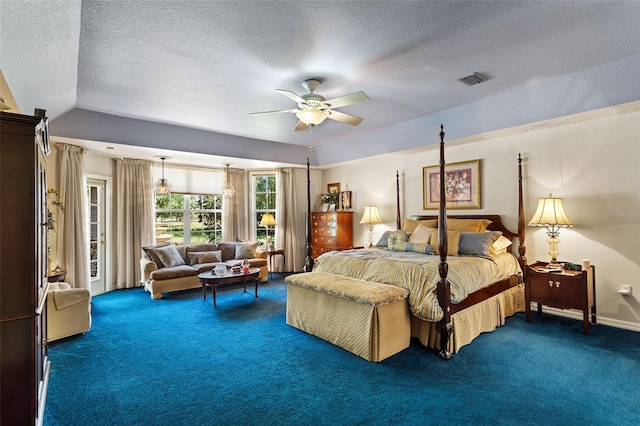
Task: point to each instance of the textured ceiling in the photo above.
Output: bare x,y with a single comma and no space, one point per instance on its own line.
195,70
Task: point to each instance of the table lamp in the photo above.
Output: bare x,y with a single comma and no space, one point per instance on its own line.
550,214
370,218
267,221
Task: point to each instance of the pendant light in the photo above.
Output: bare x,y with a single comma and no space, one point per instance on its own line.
162,187
228,191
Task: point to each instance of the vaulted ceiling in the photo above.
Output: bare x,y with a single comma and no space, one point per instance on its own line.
184,76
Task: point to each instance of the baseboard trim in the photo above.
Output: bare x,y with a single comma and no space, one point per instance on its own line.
612,322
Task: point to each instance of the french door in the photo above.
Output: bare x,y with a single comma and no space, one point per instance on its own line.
97,233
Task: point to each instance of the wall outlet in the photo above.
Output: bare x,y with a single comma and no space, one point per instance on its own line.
625,290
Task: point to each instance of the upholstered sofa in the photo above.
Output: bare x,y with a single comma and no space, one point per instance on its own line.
167,267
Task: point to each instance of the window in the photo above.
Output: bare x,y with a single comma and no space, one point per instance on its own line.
188,218
264,187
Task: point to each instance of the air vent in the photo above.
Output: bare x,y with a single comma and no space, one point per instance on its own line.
473,79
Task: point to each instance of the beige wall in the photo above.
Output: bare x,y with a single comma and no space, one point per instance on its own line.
593,162
594,165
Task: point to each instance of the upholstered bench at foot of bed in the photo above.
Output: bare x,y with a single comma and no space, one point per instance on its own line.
371,320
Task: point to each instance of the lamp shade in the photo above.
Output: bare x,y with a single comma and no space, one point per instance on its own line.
550,212
370,216
267,220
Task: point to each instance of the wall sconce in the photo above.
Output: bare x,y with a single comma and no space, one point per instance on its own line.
371,217
550,214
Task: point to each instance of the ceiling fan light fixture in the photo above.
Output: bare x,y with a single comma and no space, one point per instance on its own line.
312,117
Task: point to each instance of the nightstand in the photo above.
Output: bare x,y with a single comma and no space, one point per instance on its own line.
564,290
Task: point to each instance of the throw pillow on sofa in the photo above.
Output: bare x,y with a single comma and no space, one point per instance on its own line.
246,250
205,257
151,252
169,256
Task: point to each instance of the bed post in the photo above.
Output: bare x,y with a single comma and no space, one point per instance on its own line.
308,263
444,326
522,249
399,225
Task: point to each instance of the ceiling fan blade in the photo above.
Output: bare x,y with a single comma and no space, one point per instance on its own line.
345,118
291,96
274,112
350,99
300,126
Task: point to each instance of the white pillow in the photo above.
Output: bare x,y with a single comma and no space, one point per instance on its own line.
421,235
500,245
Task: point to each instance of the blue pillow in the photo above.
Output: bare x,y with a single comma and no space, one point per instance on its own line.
383,242
477,243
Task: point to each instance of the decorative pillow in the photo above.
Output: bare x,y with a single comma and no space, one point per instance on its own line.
246,250
397,235
207,256
477,243
383,242
150,251
409,225
414,247
169,256
500,245
453,240
467,225
228,250
421,235
203,247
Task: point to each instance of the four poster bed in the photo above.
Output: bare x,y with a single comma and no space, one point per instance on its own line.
452,297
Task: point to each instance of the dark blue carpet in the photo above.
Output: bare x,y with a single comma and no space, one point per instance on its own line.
179,361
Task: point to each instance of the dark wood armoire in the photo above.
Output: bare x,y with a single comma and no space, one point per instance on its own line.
24,373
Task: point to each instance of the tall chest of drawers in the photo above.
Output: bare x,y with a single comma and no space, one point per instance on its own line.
331,231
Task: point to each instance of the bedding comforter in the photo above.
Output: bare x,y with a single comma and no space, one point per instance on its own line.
418,273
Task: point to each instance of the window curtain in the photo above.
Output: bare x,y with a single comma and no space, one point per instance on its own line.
134,219
287,221
235,210
71,248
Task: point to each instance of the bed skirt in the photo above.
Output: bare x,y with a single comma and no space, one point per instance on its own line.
469,323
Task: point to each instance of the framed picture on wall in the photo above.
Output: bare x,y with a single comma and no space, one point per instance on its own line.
462,185
333,187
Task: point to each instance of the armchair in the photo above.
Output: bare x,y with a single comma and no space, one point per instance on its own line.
68,311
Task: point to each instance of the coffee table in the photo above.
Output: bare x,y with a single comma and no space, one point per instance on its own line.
212,280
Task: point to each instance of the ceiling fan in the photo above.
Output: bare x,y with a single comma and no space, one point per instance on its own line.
313,109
